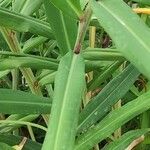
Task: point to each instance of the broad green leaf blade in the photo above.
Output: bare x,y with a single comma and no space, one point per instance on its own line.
100,105
15,140
113,121
102,76
70,7
16,62
20,117
146,2
102,54
122,24
69,86
26,24
26,7
13,102
126,139
64,27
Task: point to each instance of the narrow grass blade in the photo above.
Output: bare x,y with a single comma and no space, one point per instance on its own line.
113,121
26,24
126,139
100,105
14,140
69,85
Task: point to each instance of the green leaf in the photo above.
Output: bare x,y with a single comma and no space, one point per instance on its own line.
18,117
146,2
26,7
16,62
113,121
5,3
4,73
4,146
70,7
23,23
122,24
15,140
13,102
33,43
69,86
100,105
102,54
126,139
48,79
102,76
64,27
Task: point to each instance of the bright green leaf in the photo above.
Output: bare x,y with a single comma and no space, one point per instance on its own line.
26,7
127,30
69,85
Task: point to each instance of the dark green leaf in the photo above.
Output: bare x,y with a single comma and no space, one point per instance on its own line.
126,139
100,105
64,27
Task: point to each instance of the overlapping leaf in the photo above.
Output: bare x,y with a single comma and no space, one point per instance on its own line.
69,85
127,30
64,27
13,102
23,23
113,121
100,105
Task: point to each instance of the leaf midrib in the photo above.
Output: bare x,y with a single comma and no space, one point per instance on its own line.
64,97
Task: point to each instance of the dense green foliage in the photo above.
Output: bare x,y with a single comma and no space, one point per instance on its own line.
74,74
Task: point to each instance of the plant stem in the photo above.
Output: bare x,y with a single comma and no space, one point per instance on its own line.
83,25
11,39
